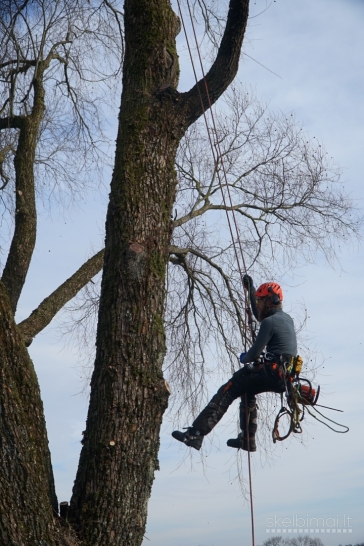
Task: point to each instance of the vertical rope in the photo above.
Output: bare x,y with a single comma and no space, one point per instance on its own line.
249,469
220,156
219,148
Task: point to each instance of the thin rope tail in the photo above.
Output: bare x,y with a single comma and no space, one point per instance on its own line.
327,419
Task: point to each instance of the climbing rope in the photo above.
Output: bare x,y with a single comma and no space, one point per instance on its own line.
296,415
236,239
346,429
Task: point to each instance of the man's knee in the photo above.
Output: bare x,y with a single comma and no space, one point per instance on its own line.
226,394
215,409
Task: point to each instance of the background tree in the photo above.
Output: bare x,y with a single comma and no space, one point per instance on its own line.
304,540
46,106
44,46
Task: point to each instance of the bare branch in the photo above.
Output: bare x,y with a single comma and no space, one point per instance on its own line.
285,190
11,122
36,45
26,62
45,312
183,252
225,67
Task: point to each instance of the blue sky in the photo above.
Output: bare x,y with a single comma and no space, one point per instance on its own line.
316,49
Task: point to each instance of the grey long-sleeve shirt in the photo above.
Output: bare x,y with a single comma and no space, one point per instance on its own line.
276,335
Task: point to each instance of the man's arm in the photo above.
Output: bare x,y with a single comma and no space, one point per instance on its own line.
249,286
264,335
253,303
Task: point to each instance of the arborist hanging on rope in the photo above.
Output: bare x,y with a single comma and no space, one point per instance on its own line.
277,336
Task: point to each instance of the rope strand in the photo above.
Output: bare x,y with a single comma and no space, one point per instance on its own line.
237,237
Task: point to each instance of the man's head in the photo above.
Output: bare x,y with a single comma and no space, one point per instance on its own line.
268,296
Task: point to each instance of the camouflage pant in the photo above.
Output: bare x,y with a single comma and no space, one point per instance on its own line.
244,382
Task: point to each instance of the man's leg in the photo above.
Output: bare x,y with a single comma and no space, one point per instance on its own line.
211,415
262,379
245,381
248,424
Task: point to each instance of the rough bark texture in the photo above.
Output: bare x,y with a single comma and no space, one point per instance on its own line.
26,479
128,393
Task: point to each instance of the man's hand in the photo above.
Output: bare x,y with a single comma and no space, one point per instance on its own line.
242,357
248,282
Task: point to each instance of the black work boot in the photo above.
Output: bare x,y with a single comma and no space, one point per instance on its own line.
250,423
242,443
192,437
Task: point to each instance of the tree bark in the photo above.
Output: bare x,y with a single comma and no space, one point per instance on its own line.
27,494
128,393
23,242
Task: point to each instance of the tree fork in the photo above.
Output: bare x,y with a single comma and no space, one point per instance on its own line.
128,393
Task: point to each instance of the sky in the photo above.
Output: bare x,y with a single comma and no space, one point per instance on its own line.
317,481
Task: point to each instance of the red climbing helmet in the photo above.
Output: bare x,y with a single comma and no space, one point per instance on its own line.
269,289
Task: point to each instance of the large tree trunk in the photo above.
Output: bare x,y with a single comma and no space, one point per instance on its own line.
128,393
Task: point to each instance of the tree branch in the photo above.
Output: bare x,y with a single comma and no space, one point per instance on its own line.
11,122
223,70
24,62
180,253
23,241
42,316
